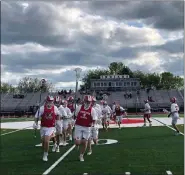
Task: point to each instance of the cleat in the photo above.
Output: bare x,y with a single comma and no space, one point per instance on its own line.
81,158
54,148
144,125
89,153
177,133
70,138
45,158
58,149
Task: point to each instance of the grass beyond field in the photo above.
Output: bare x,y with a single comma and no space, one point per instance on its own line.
149,150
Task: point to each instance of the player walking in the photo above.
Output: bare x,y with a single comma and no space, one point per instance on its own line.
174,114
48,114
86,117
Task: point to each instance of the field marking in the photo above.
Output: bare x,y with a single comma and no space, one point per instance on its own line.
15,131
127,173
59,160
169,173
167,125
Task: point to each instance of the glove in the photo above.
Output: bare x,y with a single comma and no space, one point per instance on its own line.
168,115
35,125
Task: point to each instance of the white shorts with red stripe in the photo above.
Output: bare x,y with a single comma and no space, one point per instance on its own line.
47,131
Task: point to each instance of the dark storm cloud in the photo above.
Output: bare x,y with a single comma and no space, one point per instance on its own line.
175,46
161,14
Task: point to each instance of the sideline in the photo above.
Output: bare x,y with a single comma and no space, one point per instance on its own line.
166,125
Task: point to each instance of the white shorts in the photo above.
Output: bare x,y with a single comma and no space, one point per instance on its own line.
82,132
47,131
174,119
106,118
59,127
66,123
119,118
94,133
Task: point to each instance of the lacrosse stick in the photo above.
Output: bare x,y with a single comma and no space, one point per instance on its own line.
43,84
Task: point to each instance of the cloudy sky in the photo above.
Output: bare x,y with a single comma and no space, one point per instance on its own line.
48,40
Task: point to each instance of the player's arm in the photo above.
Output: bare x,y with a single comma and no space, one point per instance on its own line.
38,114
77,111
60,112
94,116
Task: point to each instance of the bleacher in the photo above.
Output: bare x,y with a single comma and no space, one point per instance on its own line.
160,97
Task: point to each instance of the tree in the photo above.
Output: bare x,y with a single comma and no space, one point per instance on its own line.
7,88
169,81
28,84
92,74
119,68
165,80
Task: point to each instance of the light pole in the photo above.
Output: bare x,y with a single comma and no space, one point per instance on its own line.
78,71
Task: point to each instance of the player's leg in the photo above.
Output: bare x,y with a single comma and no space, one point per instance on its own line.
59,130
85,137
70,129
119,121
148,118
144,117
77,135
90,143
49,133
65,127
174,122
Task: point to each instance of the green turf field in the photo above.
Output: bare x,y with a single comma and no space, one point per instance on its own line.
150,150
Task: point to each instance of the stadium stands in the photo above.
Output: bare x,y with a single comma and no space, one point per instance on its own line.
160,97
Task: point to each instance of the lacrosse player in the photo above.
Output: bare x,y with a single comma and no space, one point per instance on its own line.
174,114
119,112
106,115
48,114
67,122
59,124
147,113
86,117
95,130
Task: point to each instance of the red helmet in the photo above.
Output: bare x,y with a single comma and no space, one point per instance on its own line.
70,99
87,98
49,98
93,99
57,100
173,99
146,101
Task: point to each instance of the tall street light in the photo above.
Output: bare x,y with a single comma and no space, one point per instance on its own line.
78,71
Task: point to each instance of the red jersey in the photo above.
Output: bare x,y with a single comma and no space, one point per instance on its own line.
48,117
71,107
84,117
118,112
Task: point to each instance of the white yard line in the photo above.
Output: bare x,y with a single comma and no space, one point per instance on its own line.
166,125
15,131
59,160
127,173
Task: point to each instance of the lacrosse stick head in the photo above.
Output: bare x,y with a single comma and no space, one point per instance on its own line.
78,71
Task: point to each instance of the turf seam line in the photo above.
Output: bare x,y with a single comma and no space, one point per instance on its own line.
167,125
59,160
169,173
15,131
